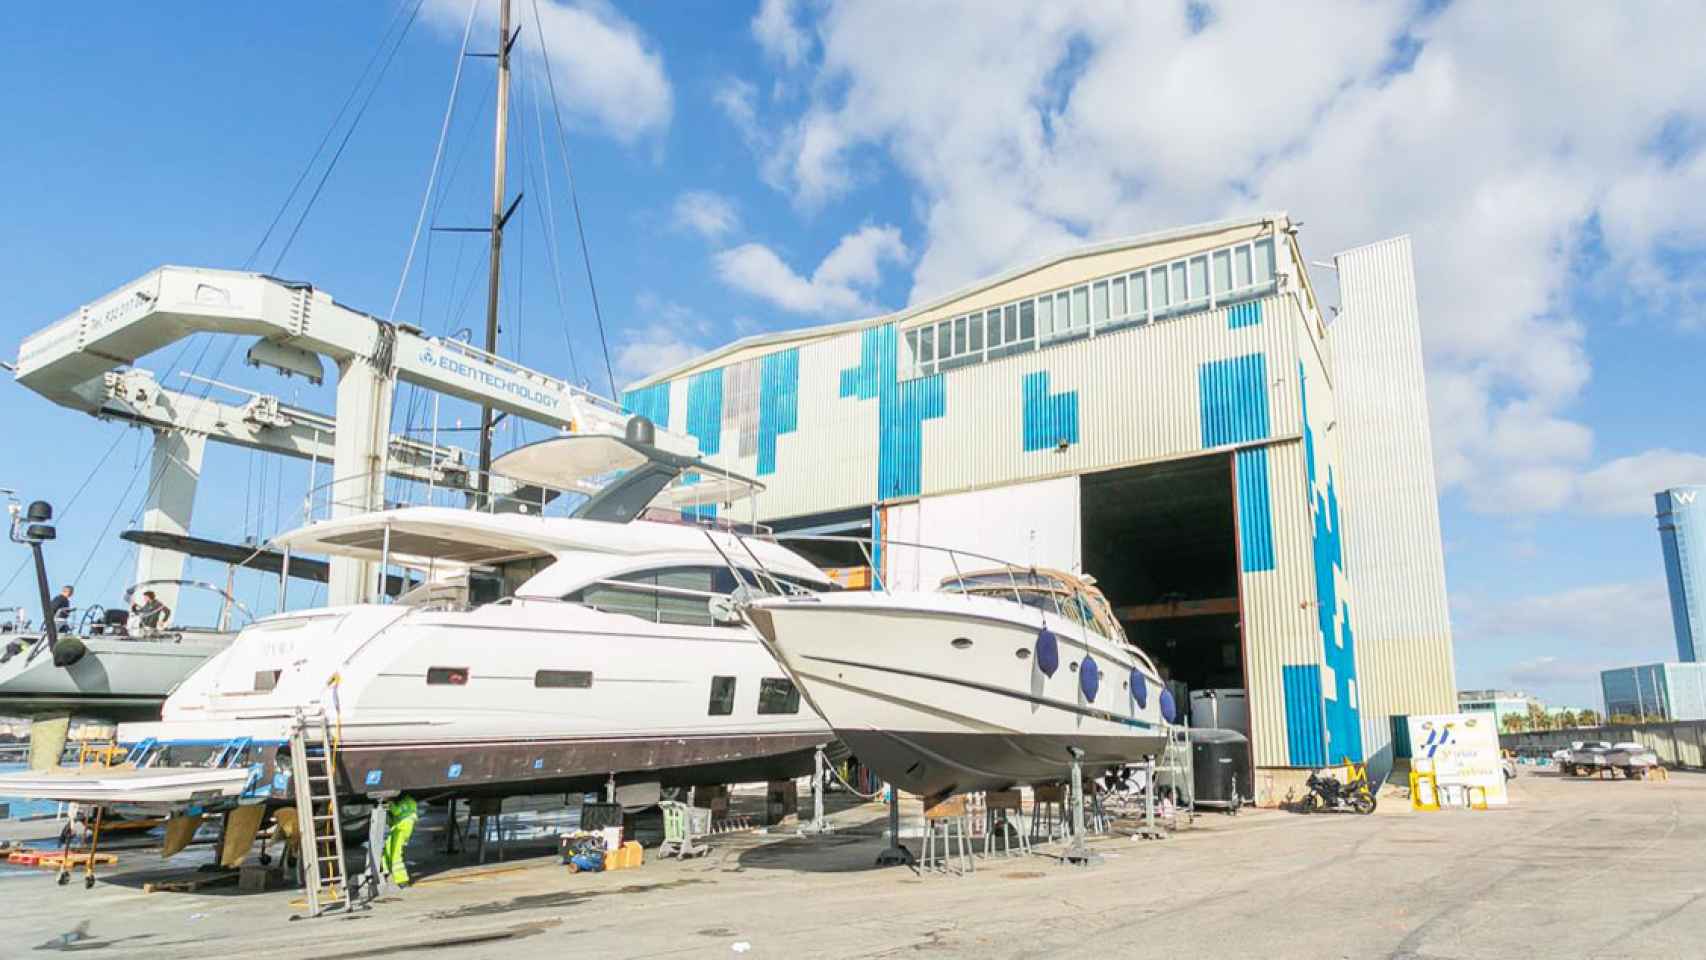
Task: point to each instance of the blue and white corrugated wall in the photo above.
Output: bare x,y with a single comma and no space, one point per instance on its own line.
830,422
1389,499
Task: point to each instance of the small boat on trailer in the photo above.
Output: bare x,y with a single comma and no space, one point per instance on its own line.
997,678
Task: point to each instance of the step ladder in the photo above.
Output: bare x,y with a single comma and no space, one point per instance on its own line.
314,761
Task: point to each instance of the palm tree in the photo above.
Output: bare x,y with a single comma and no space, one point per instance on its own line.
1587,718
1566,718
1513,722
1537,717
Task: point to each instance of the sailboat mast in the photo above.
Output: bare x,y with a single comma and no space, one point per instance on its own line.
500,162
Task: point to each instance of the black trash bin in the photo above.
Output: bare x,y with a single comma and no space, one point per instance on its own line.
1220,769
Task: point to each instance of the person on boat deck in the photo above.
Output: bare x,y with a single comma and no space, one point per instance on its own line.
151,613
60,606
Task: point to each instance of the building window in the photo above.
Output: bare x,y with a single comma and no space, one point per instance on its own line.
778,695
1138,284
1198,273
722,696
1264,256
1190,283
1158,290
564,679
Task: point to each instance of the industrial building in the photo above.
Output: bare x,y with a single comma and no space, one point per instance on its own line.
1175,414
1658,691
1682,533
1499,703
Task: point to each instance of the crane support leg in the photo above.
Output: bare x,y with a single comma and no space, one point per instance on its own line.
172,478
358,467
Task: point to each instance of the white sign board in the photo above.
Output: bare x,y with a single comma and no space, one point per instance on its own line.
1462,749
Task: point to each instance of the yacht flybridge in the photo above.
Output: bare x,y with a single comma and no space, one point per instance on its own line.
998,678
555,641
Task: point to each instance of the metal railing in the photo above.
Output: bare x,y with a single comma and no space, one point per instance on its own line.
451,486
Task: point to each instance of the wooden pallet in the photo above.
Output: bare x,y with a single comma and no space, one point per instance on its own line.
189,883
54,861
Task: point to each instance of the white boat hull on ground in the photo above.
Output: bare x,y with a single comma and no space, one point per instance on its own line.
941,693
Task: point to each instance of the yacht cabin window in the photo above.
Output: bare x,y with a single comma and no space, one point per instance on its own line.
778,695
678,595
568,679
722,697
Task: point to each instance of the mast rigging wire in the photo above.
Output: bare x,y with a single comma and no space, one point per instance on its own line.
327,136
437,157
355,123
574,197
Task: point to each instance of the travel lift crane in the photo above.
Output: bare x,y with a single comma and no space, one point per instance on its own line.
83,360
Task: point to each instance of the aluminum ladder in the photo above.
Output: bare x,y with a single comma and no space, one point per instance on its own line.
314,758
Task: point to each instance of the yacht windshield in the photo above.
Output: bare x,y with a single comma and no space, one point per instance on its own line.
1048,590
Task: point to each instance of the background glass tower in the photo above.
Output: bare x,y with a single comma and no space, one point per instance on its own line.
1682,531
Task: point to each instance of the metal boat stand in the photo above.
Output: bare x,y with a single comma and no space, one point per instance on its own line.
895,854
818,825
1078,852
1150,830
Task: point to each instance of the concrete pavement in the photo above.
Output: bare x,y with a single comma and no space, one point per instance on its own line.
1570,869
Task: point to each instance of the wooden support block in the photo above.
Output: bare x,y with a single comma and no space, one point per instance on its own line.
781,801
1048,793
716,799
189,883
951,807
1004,800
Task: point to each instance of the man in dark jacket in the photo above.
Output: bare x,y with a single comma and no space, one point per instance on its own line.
60,607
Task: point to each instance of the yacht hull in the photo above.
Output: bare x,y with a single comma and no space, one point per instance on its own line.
940,694
118,679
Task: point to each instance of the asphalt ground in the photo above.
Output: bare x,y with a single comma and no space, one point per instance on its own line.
1572,868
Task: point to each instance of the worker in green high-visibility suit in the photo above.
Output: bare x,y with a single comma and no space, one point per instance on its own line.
400,817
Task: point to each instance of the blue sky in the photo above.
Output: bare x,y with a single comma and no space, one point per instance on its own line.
744,167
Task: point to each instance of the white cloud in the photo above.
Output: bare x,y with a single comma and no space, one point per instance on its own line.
1626,485
604,69
708,214
1498,141
1611,616
1594,628
777,32
665,334
834,288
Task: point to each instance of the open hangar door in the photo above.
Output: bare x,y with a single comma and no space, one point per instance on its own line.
1028,524
1162,543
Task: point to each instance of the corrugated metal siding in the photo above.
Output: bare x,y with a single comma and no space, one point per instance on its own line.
1388,496
858,433
1278,619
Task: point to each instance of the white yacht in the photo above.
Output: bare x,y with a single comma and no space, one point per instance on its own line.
991,681
540,654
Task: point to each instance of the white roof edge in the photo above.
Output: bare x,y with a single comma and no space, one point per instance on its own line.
831,329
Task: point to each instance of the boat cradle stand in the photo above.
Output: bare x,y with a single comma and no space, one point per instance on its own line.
819,824
895,854
1078,852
